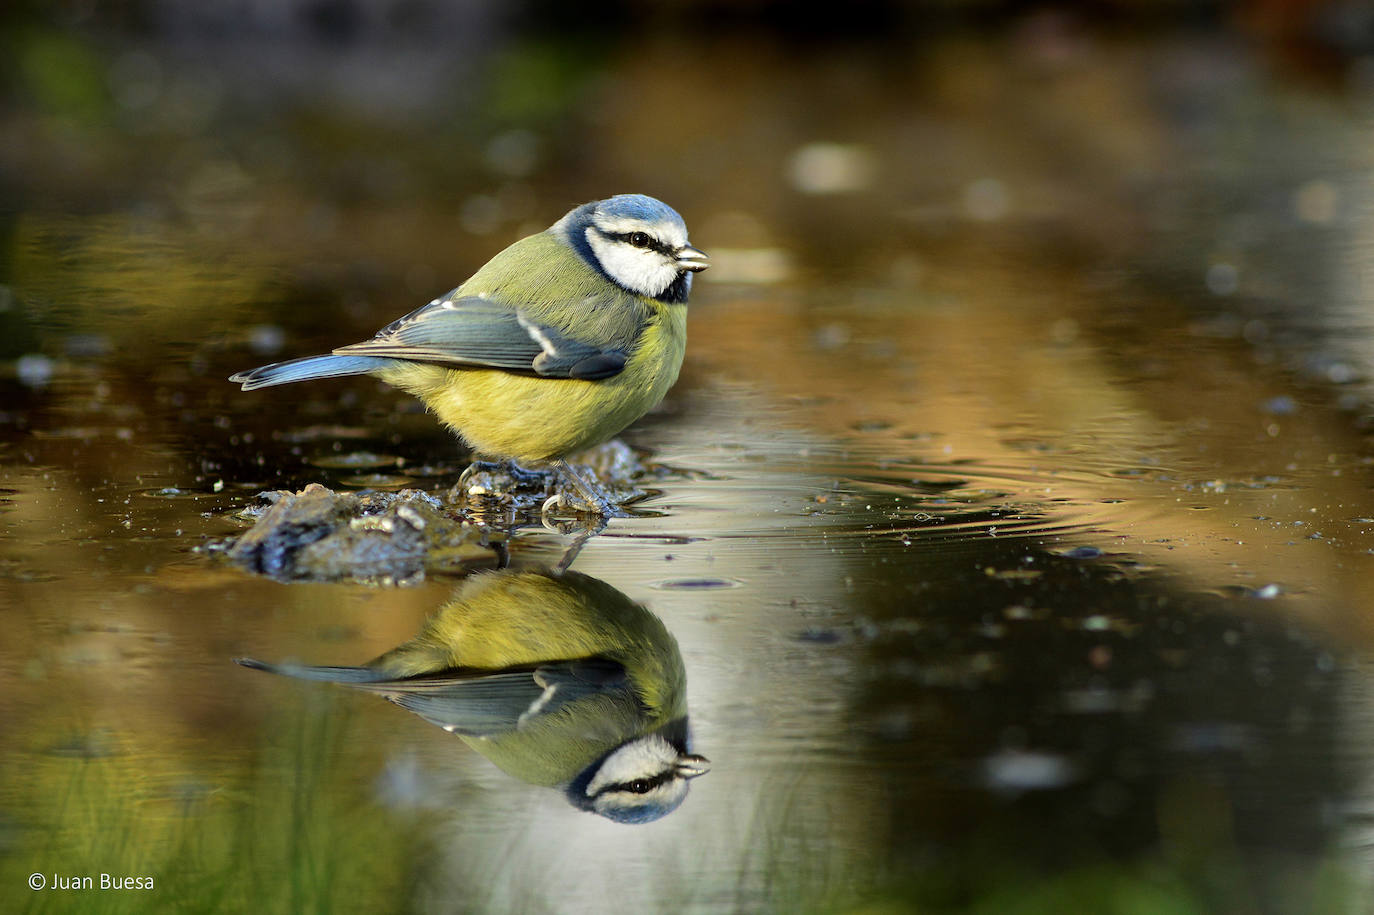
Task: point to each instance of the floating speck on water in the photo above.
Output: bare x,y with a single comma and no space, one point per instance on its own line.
1028,770
1064,331
355,460
1341,373
433,470
831,168
1096,700
1082,552
987,200
377,481
1280,406
86,345
265,339
34,370
169,492
1222,279
820,635
1317,201
761,266
322,432
832,336
1268,592
696,584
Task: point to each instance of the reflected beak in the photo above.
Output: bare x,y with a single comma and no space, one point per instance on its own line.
692,766
689,258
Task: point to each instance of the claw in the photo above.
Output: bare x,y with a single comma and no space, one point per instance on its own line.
589,497
506,480
474,468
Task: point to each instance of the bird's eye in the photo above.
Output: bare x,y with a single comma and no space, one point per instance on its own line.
639,239
639,786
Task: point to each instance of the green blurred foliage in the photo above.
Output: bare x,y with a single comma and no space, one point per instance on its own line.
538,80
295,833
61,74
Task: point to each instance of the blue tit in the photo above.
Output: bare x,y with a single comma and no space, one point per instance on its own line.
558,679
555,345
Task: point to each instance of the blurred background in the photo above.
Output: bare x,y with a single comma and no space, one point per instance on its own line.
1017,520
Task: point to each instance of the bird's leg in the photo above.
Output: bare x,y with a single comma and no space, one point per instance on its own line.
473,468
520,477
524,476
589,497
575,545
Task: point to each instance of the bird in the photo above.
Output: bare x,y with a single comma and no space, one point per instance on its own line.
556,677
553,346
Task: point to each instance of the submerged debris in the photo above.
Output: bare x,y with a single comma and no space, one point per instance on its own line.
321,535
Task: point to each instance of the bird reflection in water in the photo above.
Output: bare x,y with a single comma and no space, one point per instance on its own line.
557,678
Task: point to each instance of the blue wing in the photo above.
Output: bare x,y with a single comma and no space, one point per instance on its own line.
478,703
485,704
475,331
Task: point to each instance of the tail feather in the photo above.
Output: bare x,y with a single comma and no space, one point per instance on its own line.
310,367
324,674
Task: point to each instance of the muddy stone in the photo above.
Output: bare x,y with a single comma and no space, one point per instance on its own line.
321,535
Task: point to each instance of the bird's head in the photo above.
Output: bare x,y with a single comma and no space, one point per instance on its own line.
638,243
640,781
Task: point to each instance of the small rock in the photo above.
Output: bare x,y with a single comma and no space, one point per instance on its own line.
321,535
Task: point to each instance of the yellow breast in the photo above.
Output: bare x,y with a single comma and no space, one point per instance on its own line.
533,419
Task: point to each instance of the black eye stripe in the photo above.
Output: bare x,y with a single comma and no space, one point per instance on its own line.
646,241
638,785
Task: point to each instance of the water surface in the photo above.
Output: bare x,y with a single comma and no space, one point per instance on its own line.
1016,533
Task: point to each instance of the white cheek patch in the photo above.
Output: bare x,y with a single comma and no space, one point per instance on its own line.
640,270
642,758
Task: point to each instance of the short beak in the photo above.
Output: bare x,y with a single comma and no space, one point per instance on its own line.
692,766
689,258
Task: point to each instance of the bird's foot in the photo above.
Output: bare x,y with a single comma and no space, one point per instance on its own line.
581,495
500,479
576,503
